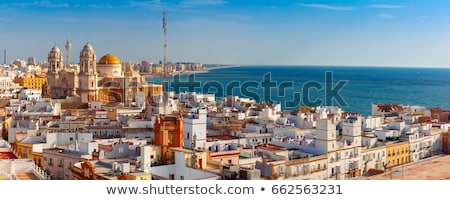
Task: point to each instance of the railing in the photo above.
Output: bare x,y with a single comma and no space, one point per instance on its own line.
41,174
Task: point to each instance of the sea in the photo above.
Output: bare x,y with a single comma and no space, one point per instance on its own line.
354,89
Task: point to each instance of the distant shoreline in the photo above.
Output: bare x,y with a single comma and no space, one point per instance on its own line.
203,70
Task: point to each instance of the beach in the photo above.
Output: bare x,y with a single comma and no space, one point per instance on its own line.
202,70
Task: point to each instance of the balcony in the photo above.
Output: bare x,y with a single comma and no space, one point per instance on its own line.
318,170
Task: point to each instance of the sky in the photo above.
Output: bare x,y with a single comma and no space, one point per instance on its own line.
243,32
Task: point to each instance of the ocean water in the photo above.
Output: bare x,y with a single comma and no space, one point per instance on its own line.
429,87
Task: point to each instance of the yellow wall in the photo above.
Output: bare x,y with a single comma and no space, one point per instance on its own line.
37,158
6,125
31,81
23,150
155,90
157,69
140,176
397,153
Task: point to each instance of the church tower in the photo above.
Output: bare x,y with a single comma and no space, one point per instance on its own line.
55,60
88,74
55,65
68,48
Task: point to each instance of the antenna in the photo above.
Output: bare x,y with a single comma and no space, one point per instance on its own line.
164,60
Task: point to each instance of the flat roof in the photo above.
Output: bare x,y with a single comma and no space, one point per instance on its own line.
434,168
223,137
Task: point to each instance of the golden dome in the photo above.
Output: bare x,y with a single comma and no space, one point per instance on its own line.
109,59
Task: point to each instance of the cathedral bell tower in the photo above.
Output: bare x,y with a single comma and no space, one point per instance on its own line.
55,65
88,75
55,60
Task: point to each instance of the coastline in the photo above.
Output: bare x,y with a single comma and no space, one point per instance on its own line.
203,70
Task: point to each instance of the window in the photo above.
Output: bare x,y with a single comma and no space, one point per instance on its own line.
170,138
71,139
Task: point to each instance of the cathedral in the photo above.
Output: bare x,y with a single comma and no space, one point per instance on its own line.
107,80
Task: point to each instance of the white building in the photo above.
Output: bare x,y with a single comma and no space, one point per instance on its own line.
183,168
385,135
195,127
373,158
30,95
372,122
21,169
58,163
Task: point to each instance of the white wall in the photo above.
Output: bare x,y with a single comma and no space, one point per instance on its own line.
87,147
12,166
383,134
139,124
195,124
119,150
400,126
372,122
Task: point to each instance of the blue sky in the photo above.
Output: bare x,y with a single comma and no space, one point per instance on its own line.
291,32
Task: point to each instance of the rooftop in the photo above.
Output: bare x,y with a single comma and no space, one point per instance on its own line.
434,168
223,137
7,155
